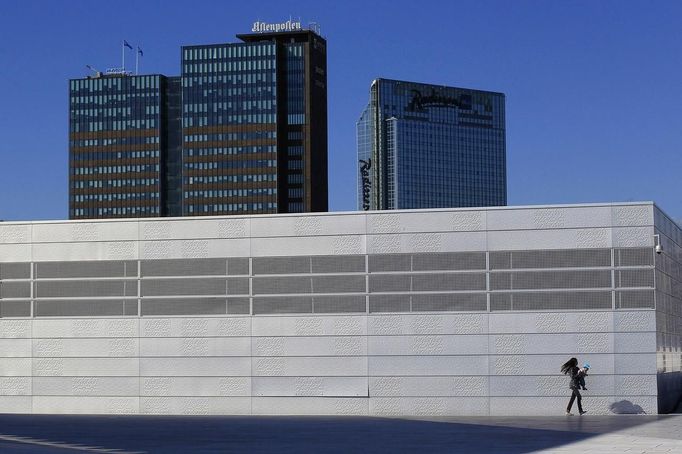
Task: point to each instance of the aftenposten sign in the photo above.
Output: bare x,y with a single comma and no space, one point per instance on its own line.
288,26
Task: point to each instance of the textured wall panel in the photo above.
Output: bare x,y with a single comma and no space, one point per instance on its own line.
15,386
195,405
83,251
308,225
196,346
569,344
194,228
543,239
635,342
16,252
177,249
234,227
428,324
322,245
88,367
13,367
428,406
634,321
549,218
428,386
551,322
195,386
635,385
195,327
121,250
86,386
199,367
633,215
15,348
310,326
310,386
468,220
16,404
86,405
634,363
64,232
88,348
458,220
309,406
427,365
426,242
309,346
309,366
15,233
633,236
12,329
428,345
86,328
548,385
547,364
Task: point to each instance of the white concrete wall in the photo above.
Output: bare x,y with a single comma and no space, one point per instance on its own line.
454,363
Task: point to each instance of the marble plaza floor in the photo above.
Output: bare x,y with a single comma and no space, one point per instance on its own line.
164,434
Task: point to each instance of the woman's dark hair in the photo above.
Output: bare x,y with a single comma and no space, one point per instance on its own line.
568,365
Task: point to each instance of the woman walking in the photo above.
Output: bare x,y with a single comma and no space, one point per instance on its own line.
571,368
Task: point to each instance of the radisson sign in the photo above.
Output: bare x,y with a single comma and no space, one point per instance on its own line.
288,26
365,167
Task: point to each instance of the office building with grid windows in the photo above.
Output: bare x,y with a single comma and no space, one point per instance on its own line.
429,146
116,137
243,130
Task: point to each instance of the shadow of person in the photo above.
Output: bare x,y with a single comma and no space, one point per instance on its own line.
625,407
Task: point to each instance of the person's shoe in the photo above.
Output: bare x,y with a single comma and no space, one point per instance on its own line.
583,412
568,413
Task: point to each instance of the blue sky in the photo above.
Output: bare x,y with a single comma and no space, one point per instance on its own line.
594,88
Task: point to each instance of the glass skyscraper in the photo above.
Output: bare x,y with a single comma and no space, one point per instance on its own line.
243,130
429,146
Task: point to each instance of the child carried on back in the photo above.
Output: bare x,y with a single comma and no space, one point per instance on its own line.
582,373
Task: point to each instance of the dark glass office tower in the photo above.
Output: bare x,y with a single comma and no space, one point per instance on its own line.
115,141
255,125
243,130
429,146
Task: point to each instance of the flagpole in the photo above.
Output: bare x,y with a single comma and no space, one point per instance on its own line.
137,58
123,56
